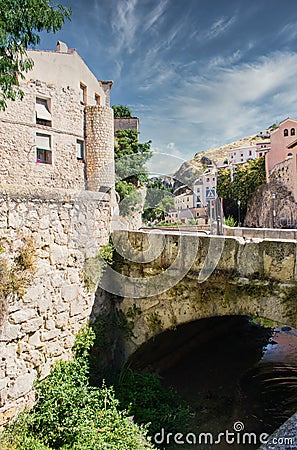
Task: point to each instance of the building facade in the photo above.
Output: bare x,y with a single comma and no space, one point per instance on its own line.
242,154
205,186
283,136
61,135
281,158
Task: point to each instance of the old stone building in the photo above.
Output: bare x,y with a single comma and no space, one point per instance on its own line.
56,192
61,134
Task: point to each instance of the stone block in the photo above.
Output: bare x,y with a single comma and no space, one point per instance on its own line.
77,307
279,260
61,320
22,385
69,293
32,325
249,259
49,335
34,340
9,332
23,315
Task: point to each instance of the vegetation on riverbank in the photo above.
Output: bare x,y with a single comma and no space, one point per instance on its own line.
71,414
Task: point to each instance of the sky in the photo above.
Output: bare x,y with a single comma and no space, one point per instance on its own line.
198,73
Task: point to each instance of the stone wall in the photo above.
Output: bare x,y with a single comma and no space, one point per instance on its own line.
273,206
283,173
39,327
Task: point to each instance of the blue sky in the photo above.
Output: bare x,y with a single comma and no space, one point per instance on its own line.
198,73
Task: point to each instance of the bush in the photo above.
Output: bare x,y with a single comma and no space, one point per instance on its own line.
149,402
71,415
230,221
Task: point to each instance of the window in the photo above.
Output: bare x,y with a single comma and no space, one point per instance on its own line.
80,150
286,132
292,131
261,154
43,149
97,99
83,94
42,112
250,152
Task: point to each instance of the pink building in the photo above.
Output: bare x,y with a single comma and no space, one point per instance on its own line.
280,139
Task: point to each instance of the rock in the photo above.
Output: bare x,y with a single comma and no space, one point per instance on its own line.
23,315
22,385
9,332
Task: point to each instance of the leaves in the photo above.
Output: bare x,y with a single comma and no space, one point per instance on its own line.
121,111
246,179
20,23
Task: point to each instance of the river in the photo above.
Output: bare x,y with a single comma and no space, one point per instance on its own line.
237,376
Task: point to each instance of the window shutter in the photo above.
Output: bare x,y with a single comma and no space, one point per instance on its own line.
42,111
43,141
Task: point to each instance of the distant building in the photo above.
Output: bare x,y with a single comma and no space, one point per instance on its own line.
262,148
264,134
281,158
184,201
186,216
205,186
241,155
284,135
126,123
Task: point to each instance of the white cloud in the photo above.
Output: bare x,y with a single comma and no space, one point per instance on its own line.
125,23
230,100
223,105
219,27
155,14
288,32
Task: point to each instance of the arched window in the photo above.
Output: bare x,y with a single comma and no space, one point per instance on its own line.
290,154
292,131
286,132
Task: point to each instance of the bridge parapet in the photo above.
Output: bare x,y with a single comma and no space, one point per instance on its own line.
182,278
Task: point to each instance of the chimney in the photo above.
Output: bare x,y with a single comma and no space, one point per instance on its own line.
61,47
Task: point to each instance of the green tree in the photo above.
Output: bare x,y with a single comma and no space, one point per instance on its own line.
121,111
159,199
20,23
246,179
130,159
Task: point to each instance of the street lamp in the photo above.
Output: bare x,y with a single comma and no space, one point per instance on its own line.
238,204
273,210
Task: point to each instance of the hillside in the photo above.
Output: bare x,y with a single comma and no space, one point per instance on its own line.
189,170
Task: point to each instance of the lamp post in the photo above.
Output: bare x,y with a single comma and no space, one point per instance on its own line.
273,210
238,204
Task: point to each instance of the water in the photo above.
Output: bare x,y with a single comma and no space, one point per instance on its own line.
229,370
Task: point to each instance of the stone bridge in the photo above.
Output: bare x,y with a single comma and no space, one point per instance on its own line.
163,280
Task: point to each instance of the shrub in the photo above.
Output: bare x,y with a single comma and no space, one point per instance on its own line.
69,414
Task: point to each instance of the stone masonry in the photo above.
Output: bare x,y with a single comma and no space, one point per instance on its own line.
99,147
40,327
18,139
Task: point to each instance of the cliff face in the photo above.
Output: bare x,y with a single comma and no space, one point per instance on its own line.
268,212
